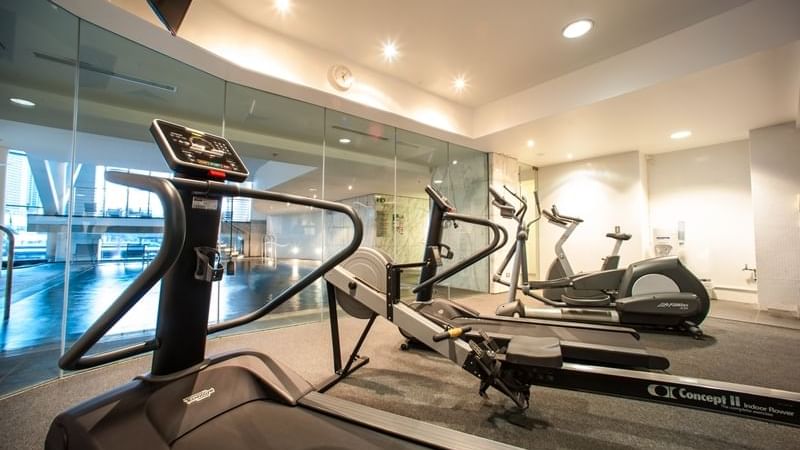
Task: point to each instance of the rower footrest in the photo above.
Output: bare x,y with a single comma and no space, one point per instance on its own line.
534,351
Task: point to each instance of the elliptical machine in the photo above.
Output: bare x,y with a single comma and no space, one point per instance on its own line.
656,293
561,267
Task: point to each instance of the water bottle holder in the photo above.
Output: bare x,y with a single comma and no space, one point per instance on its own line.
209,266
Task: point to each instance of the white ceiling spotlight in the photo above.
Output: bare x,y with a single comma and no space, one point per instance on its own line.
390,52
455,162
531,143
25,103
570,156
437,181
682,134
283,6
349,187
577,28
460,83
345,141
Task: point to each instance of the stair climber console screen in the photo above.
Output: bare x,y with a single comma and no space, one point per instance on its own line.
197,154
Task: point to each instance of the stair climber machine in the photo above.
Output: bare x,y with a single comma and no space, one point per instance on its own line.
657,293
513,354
237,400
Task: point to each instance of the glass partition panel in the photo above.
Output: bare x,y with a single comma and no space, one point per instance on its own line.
360,171
270,244
116,230
38,49
419,160
465,181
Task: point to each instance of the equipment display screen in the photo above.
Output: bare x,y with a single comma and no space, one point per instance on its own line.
194,152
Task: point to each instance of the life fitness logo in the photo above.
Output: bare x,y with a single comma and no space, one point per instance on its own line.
199,396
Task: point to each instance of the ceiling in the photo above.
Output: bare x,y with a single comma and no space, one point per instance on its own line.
720,104
510,49
501,47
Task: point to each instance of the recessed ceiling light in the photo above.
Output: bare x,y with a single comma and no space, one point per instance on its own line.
531,143
349,187
569,155
283,6
437,181
344,141
22,102
460,83
390,52
577,29
312,189
682,134
455,161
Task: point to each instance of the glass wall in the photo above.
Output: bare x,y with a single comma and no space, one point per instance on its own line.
81,240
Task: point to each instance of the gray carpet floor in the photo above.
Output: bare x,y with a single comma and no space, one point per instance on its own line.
422,385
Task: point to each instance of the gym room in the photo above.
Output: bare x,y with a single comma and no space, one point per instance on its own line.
371,224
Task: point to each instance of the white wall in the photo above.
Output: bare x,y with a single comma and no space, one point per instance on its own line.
708,188
604,192
775,177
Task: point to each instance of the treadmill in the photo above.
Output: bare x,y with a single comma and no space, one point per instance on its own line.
580,342
237,400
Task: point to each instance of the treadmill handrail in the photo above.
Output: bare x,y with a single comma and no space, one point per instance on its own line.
235,190
172,243
495,245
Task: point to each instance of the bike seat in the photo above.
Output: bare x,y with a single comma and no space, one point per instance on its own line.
586,298
534,351
619,236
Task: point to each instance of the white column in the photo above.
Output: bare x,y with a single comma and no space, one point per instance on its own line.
774,166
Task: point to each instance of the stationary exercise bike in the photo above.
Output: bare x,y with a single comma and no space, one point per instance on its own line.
654,293
561,267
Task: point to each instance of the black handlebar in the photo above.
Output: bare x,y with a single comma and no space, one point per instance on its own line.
495,245
439,199
235,190
171,245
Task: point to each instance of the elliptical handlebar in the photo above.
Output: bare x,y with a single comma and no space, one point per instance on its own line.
499,239
172,243
557,214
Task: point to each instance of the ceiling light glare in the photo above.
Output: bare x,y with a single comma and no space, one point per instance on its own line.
569,156
682,134
283,6
349,187
531,143
390,52
22,102
344,141
577,29
437,181
460,83
455,161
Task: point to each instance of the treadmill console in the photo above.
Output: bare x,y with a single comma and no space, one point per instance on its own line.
197,154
